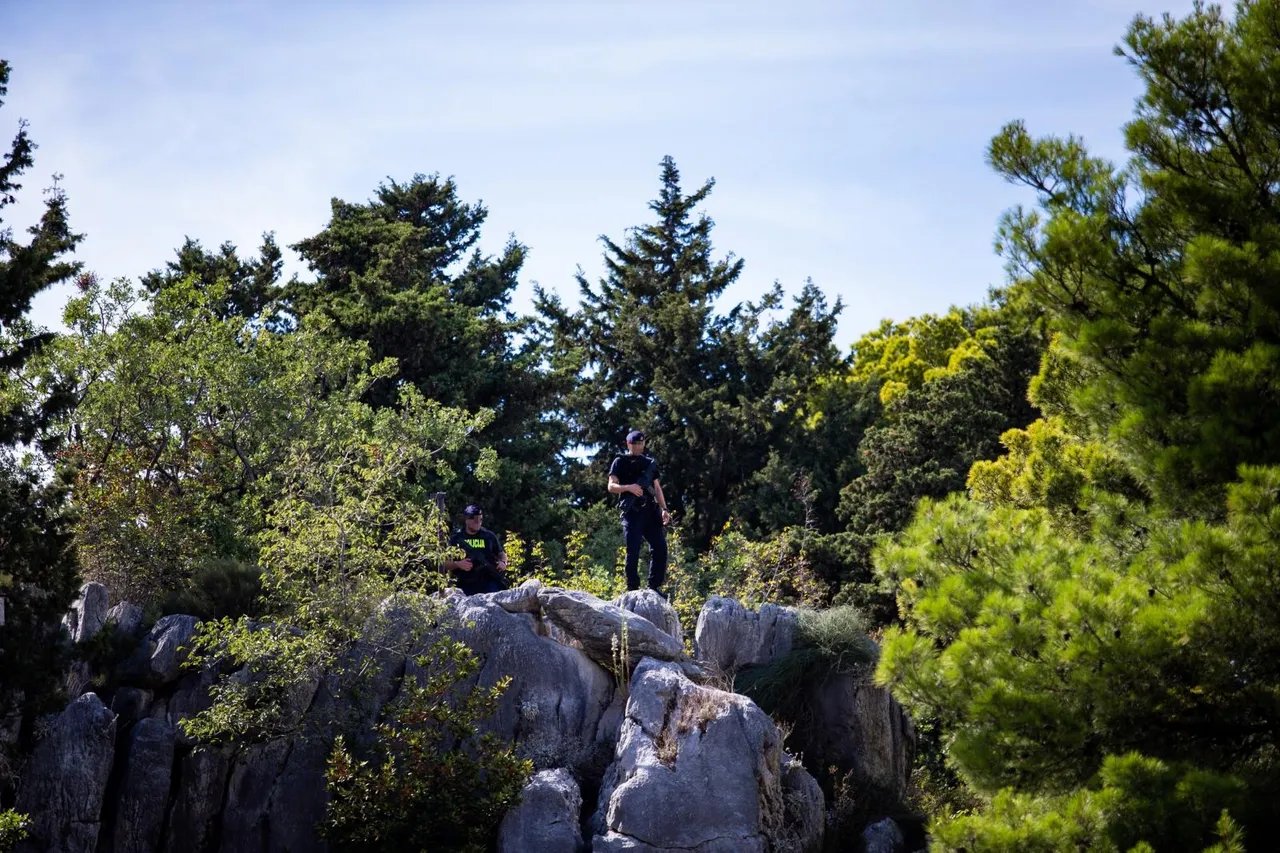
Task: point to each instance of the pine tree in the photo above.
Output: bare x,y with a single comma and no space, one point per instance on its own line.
1163,276
1098,626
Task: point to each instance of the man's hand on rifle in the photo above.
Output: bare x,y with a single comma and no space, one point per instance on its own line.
636,489
463,565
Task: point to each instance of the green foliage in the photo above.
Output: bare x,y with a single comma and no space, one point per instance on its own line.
925,443
220,588
826,642
801,481
1097,630
1048,653
905,355
1140,804
26,269
395,273
246,288
716,393
434,783
1162,277
13,828
1046,466
183,417
38,575
348,531
756,572
351,546
588,559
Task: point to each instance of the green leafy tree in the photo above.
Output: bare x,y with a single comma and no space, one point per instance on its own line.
930,434
347,532
13,828
648,349
183,414
26,269
438,784
905,355
402,273
350,551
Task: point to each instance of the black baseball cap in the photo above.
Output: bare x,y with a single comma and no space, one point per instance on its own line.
473,510
634,436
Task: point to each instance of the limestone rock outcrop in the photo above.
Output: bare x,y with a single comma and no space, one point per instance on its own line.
655,608
696,769
605,631
546,820
730,637
860,730
143,790
850,724
666,761
88,613
66,780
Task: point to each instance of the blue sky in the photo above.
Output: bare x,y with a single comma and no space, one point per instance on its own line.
846,138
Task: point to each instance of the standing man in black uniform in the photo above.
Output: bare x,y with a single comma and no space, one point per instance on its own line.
633,476
481,569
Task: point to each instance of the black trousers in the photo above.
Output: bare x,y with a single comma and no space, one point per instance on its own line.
645,525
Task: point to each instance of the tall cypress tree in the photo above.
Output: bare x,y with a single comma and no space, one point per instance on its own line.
649,350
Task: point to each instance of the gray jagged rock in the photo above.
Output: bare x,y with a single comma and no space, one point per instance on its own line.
143,792
859,729
522,599
190,698
730,637
131,704
678,766
605,631
301,794
655,608
248,796
695,769
126,617
66,779
88,613
850,724
160,656
546,818
805,806
559,709
169,640
197,803
884,836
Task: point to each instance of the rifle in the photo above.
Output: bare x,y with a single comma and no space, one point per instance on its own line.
628,501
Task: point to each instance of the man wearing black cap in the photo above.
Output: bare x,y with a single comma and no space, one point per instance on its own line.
480,570
633,476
